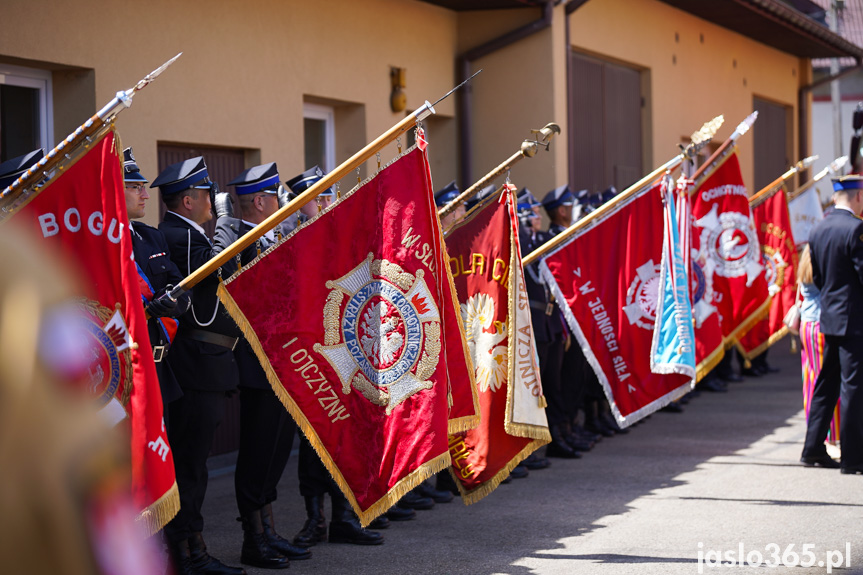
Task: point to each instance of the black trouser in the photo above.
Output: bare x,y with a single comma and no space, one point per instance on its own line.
841,377
194,419
266,437
572,380
314,478
551,385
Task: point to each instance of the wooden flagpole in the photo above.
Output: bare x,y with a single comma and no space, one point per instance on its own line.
699,140
527,150
833,168
770,189
67,152
284,212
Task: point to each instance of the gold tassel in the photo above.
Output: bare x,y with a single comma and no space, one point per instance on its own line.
793,345
747,364
542,402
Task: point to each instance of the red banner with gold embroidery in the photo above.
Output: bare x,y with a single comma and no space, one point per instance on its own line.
485,263
82,217
725,245
353,321
609,276
779,256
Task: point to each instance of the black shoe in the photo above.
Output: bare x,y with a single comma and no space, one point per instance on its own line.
413,500
824,461
380,522
851,470
445,482
346,528
731,378
179,558
713,384
279,543
612,424
586,435
256,551
519,472
561,450
437,495
202,562
771,368
673,407
534,461
750,372
396,513
315,528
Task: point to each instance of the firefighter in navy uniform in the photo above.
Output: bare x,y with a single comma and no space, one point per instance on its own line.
315,480
157,275
201,357
266,428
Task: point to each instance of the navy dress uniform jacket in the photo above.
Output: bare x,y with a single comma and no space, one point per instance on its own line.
154,258
836,246
228,230
200,365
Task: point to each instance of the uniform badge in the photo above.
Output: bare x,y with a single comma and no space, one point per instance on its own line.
484,336
775,266
731,245
642,296
382,332
90,344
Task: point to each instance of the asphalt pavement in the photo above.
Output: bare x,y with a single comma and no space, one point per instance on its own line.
677,495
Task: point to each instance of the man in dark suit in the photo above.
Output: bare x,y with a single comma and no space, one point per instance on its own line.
836,246
266,428
201,357
157,275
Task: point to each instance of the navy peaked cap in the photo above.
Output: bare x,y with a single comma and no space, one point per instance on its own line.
526,200
849,182
609,193
11,170
481,195
263,178
446,194
307,179
131,171
181,176
561,196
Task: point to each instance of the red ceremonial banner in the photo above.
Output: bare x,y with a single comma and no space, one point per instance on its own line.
82,217
609,277
725,246
483,252
779,256
709,343
350,318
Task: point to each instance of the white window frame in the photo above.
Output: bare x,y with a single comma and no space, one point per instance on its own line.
40,80
328,115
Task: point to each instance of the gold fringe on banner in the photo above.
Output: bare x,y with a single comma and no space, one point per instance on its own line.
485,488
764,346
395,493
538,432
709,362
161,511
748,323
466,422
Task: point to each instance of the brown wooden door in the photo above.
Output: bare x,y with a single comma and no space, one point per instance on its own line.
223,165
605,136
771,135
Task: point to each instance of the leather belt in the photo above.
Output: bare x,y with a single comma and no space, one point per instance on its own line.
548,308
211,337
159,353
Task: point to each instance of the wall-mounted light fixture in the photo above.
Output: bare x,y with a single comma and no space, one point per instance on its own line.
398,98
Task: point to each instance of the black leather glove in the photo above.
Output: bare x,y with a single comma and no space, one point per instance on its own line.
163,305
224,205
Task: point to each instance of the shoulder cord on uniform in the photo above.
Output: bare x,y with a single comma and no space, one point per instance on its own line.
189,272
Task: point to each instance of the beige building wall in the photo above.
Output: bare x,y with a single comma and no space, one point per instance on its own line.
246,69
696,70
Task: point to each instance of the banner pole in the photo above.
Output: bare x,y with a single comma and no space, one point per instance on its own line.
308,195
28,186
528,150
770,189
833,168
